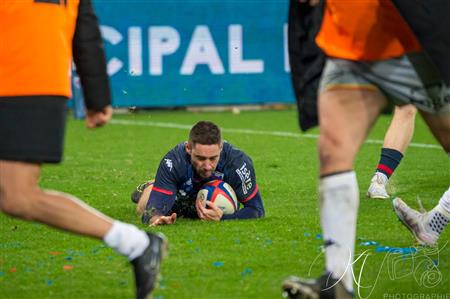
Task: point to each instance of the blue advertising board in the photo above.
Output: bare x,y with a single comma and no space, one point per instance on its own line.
196,52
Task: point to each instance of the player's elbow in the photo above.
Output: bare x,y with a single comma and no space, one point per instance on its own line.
261,213
257,212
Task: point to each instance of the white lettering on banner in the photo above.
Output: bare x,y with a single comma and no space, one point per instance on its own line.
135,51
163,41
235,53
202,50
287,66
113,36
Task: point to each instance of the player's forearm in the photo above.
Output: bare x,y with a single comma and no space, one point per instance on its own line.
159,204
245,213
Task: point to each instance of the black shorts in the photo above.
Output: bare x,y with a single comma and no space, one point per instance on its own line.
32,128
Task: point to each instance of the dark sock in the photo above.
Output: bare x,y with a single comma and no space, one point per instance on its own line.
389,160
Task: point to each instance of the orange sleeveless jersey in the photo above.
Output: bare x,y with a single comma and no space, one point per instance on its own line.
364,30
36,47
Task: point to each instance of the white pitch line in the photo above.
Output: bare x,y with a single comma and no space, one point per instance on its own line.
248,131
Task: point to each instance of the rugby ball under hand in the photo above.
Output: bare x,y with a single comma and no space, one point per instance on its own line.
221,194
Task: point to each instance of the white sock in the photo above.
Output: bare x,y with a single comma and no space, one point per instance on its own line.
339,196
444,203
439,217
126,239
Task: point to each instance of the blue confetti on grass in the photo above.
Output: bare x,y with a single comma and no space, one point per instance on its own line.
68,258
97,249
246,272
269,242
190,241
162,284
399,250
319,236
2,273
369,243
49,282
307,234
218,264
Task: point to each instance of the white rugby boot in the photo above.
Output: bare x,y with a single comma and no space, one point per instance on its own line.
377,188
426,227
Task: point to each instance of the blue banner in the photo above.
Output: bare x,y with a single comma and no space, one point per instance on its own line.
198,52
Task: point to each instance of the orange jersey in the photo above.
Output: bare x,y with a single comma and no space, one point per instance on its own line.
36,47
364,30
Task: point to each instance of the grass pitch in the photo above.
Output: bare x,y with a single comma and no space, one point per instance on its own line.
234,259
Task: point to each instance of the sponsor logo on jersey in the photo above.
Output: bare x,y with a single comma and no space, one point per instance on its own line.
169,164
245,176
218,175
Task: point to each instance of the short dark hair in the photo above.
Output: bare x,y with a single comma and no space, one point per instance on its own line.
205,132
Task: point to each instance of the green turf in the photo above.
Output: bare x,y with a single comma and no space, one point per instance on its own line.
236,259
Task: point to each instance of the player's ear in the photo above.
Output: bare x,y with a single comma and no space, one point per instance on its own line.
188,148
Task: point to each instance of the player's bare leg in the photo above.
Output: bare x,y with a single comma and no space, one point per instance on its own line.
401,129
142,203
345,118
396,140
20,196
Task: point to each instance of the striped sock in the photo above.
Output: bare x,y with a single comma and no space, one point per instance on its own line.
389,160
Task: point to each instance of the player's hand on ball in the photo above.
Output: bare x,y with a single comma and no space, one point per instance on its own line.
208,212
160,220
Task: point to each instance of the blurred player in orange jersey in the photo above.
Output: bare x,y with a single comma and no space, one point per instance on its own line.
38,39
373,56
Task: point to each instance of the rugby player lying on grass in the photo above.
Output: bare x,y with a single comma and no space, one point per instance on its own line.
186,168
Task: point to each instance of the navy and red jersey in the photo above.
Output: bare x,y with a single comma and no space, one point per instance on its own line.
176,184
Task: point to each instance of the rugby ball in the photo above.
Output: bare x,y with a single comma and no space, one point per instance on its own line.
221,194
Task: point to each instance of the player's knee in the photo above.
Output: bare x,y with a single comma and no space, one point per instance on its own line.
15,203
329,149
